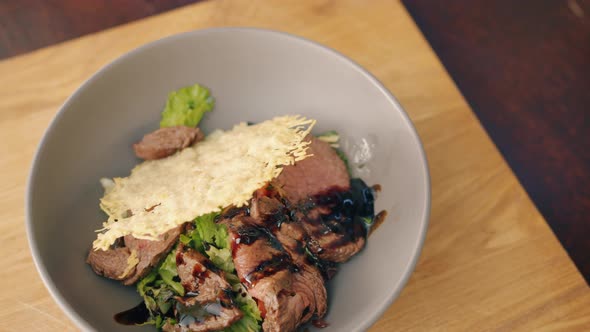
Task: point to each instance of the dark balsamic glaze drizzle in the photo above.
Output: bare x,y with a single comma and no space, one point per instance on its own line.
136,315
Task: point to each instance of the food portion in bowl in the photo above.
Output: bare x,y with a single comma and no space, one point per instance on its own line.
234,231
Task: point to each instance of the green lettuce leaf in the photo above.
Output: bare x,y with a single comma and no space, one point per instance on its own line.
221,258
213,240
167,272
208,233
186,106
159,287
145,288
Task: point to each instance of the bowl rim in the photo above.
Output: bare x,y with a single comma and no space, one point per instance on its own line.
72,314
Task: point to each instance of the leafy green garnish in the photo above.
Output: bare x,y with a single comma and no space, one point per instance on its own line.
221,258
168,271
211,239
158,288
186,106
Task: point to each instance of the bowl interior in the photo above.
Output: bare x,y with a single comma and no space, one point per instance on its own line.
254,75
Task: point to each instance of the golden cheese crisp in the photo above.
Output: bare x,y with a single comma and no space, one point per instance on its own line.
224,169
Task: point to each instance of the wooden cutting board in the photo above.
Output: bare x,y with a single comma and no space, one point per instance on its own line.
489,262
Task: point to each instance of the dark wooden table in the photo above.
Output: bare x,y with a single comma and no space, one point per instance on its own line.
524,67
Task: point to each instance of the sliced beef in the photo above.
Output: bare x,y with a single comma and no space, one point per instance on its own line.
200,277
288,289
166,141
309,284
111,263
207,305
283,308
333,238
150,253
115,263
256,253
293,237
324,223
321,172
290,298
268,210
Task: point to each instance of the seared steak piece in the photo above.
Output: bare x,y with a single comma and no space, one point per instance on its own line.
309,284
111,263
288,293
315,175
207,305
166,141
268,210
331,236
150,253
198,275
116,264
256,253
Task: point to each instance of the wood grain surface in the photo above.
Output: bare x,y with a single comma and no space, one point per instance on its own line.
27,25
524,67
490,262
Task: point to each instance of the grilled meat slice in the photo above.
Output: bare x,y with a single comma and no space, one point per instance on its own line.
111,263
166,141
198,275
315,175
288,294
334,238
115,263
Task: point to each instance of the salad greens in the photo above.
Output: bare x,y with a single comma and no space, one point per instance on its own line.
186,106
159,287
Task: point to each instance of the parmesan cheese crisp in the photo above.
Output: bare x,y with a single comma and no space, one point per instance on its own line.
224,169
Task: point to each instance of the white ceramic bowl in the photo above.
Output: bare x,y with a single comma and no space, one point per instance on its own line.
254,75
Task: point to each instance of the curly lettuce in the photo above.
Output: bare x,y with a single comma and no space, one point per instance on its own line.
186,106
158,289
